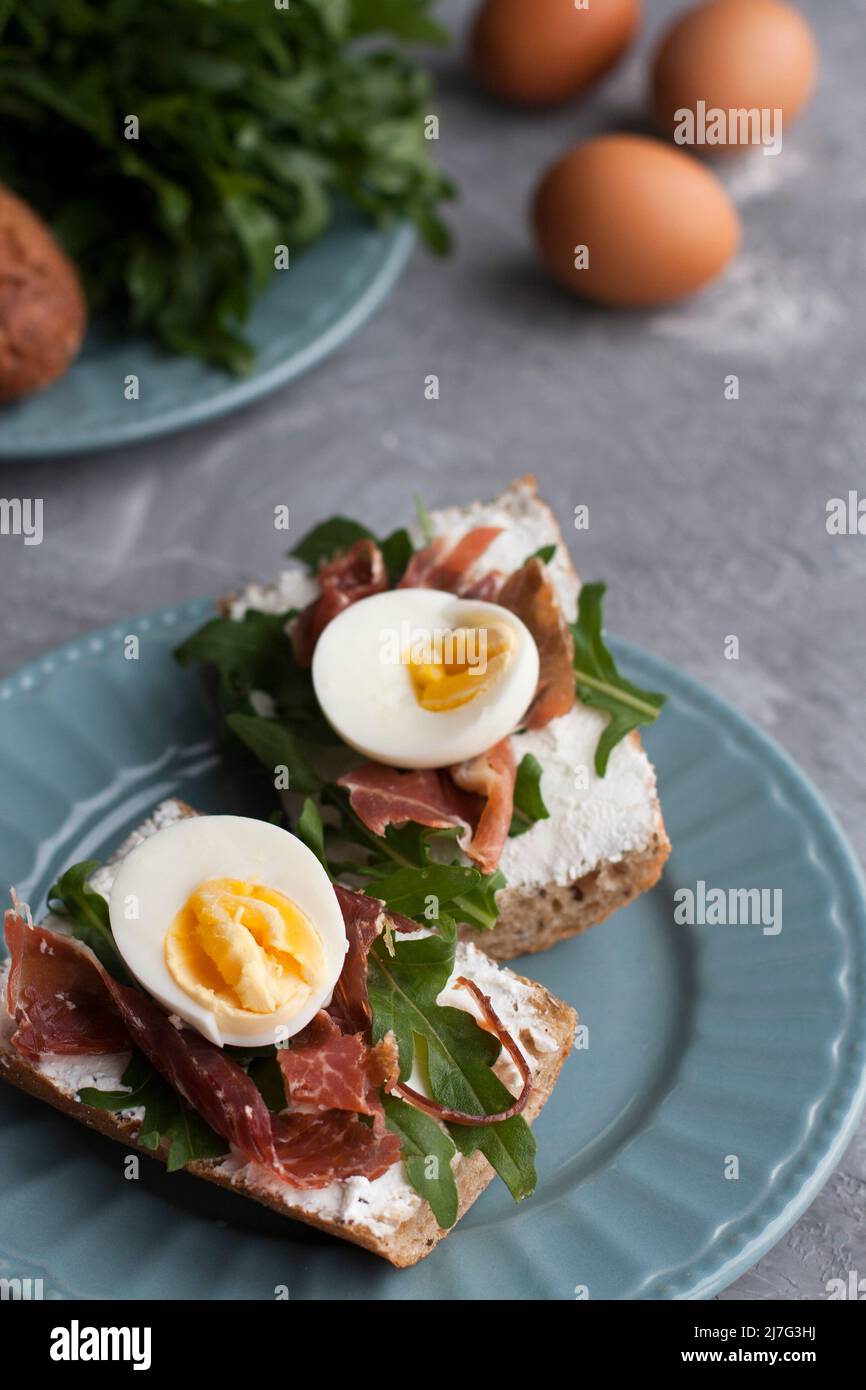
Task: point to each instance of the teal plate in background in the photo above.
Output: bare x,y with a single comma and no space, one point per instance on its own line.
704,1042
305,314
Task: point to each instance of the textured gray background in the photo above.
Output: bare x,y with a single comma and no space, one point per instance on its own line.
707,515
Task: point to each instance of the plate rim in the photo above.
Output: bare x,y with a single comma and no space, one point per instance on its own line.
824,1146
397,244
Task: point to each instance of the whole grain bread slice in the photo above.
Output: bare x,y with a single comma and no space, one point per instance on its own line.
402,1241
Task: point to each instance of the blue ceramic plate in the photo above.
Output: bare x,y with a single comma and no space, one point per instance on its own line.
704,1041
305,314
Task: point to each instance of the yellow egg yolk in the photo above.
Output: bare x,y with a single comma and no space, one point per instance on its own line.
459,666
240,948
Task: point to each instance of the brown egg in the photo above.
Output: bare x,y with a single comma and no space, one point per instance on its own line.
755,56
535,52
42,310
629,221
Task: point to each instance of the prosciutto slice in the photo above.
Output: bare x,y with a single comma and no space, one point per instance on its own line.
57,999
317,1149
381,796
485,588
55,978
477,797
530,594
331,1070
350,1007
444,564
350,576
490,776
211,1082
331,1079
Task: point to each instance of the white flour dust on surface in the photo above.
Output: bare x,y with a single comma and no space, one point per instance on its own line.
764,304
767,301
758,175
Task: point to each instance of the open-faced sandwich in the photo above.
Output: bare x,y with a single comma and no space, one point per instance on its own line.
210,996
443,717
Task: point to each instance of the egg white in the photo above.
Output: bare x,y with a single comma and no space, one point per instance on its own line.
371,702
156,878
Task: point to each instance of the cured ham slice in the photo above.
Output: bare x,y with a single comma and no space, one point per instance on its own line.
316,1150
530,594
381,796
211,1082
477,797
353,575
350,1007
486,588
54,978
444,564
491,776
334,1078
338,1071
56,998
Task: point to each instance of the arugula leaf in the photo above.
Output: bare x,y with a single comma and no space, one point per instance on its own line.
411,890
456,1054
167,1118
340,532
427,1153
275,746
325,540
255,655
409,848
87,912
545,554
599,683
397,550
248,655
312,832
529,804
143,1088
478,907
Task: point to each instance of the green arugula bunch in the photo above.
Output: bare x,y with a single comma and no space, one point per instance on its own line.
252,116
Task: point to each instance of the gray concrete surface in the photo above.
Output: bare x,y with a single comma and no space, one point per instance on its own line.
709,515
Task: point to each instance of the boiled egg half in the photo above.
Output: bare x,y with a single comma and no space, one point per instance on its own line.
232,925
418,678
